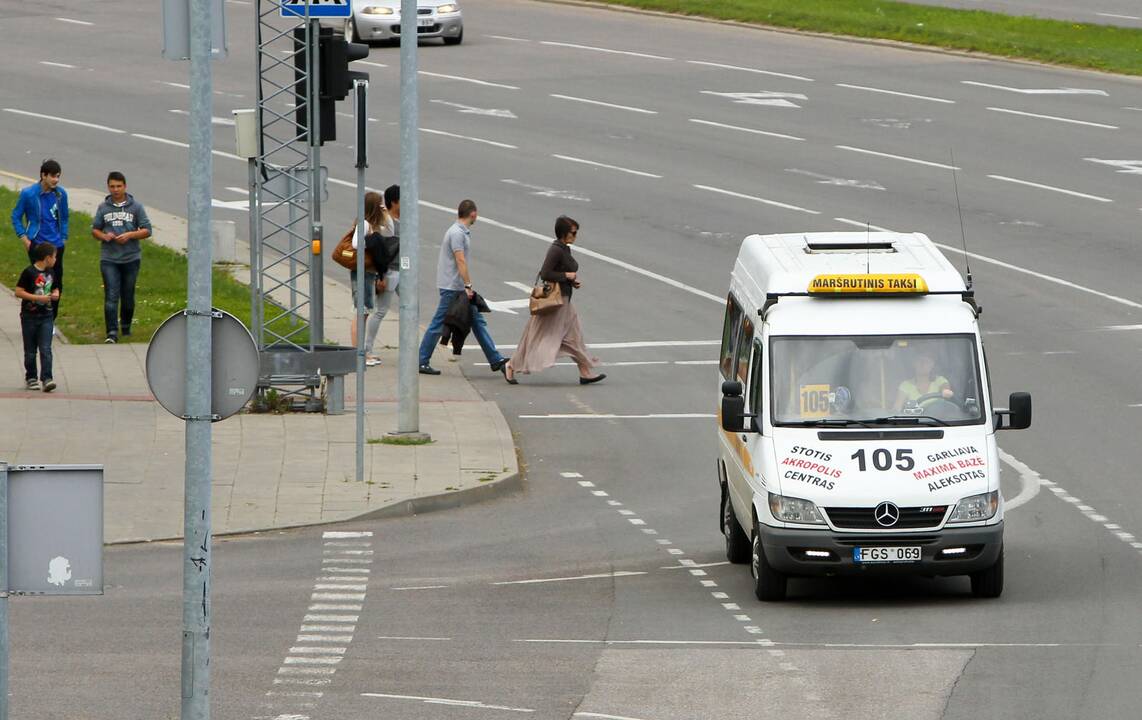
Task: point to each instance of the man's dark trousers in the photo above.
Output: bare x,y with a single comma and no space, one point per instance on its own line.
119,295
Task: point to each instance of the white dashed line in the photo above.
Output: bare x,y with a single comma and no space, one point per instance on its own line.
1051,188
895,92
493,143
902,158
74,22
421,587
738,128
80,123
617,168
756,199
1054,117
570,475
448,701
599,576
510,38
600,103
757,71
593,48
467,80
58,65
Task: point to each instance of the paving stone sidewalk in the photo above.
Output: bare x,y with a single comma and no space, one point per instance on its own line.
270,471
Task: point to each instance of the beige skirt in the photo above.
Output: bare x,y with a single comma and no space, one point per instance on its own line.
546,337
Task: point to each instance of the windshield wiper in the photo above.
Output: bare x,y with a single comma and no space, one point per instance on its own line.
828,422
906,419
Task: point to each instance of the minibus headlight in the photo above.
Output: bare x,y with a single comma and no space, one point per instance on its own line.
976,508
794,510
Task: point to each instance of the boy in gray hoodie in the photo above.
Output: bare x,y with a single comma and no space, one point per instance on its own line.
119,223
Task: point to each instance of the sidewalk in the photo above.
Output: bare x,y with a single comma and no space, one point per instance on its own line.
270,471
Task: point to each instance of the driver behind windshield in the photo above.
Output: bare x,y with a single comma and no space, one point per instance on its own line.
922,384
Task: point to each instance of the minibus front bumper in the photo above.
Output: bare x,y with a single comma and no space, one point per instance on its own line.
814,553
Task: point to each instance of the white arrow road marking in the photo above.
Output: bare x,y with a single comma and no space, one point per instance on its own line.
448,701
621,573
1130,167
827,180
541,191
772,99
490,112
1038,91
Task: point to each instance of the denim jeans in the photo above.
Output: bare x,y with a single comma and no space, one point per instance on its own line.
37,331
436,327
119,295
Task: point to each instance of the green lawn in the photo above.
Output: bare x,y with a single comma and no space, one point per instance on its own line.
161,289
1099,47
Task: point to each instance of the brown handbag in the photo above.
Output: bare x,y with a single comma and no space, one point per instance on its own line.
545,297
345,254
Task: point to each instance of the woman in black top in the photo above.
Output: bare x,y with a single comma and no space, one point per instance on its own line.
559,332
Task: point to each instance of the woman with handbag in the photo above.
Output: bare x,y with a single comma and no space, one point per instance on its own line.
378,225
554,328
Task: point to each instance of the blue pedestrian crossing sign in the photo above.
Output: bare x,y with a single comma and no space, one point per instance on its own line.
317,8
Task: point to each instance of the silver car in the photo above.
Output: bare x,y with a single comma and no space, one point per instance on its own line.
379,20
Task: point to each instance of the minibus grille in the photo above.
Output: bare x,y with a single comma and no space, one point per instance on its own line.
864,518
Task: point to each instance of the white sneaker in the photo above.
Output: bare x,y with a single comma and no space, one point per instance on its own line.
372,361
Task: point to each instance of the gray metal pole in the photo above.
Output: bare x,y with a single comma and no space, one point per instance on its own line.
408,377
291,188
196,611
255,252
316,231
3,591
360,94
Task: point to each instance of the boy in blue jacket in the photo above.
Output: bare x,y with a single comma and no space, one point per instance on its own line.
41,216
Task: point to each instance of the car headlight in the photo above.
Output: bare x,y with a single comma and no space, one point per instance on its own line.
446,9
976,508
794,510
377,10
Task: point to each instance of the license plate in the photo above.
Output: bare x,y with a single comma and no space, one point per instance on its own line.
425,22
886,554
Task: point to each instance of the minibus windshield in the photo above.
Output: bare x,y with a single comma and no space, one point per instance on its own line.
875,380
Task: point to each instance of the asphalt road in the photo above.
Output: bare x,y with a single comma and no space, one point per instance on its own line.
669,141
1127,13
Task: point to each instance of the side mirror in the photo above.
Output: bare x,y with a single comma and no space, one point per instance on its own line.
733,407
1018,414
1020,406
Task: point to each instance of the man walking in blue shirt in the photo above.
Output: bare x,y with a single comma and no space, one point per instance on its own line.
41,216
452,278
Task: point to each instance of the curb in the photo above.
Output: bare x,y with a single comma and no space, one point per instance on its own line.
882,42
508,483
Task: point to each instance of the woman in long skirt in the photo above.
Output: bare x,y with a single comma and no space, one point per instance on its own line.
559,332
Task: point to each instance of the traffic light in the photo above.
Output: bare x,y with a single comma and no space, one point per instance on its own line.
334,80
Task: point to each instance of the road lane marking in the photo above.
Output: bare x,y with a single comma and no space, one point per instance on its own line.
41,116
58,64
311,650
493,143
765,97
599,576
472,110
467,80
1037,91
1064,191
695,565
593,48
508,37
896,92
902,158
754,198
562,641
413,637
628,108
612,416
640,173
738,128
449,701
332,618
1054,117
421,587
603,716
1032,481
74,22
1119,17
371,63
751,70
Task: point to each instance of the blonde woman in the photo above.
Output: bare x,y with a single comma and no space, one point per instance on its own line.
559,332
378,226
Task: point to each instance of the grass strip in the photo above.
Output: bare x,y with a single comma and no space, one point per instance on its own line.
1058,42
160,291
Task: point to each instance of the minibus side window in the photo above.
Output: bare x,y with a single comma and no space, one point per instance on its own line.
756,380
745,339
730,337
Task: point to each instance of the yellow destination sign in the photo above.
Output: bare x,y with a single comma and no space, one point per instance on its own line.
878,283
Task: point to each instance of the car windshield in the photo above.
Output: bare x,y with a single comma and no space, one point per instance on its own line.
875,380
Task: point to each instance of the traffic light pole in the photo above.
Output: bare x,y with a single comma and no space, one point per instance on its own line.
360,117
316,231
408,367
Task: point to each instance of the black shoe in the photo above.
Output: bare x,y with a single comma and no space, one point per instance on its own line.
498,366
428,370
588,381
126,331
510,380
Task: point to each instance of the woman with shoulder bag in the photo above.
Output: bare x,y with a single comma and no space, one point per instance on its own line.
378,226
556,331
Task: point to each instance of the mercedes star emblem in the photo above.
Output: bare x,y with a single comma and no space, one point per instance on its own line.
886,514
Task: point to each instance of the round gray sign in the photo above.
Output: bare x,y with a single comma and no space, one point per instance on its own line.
233,368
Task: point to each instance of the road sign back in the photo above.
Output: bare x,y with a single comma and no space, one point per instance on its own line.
317,8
